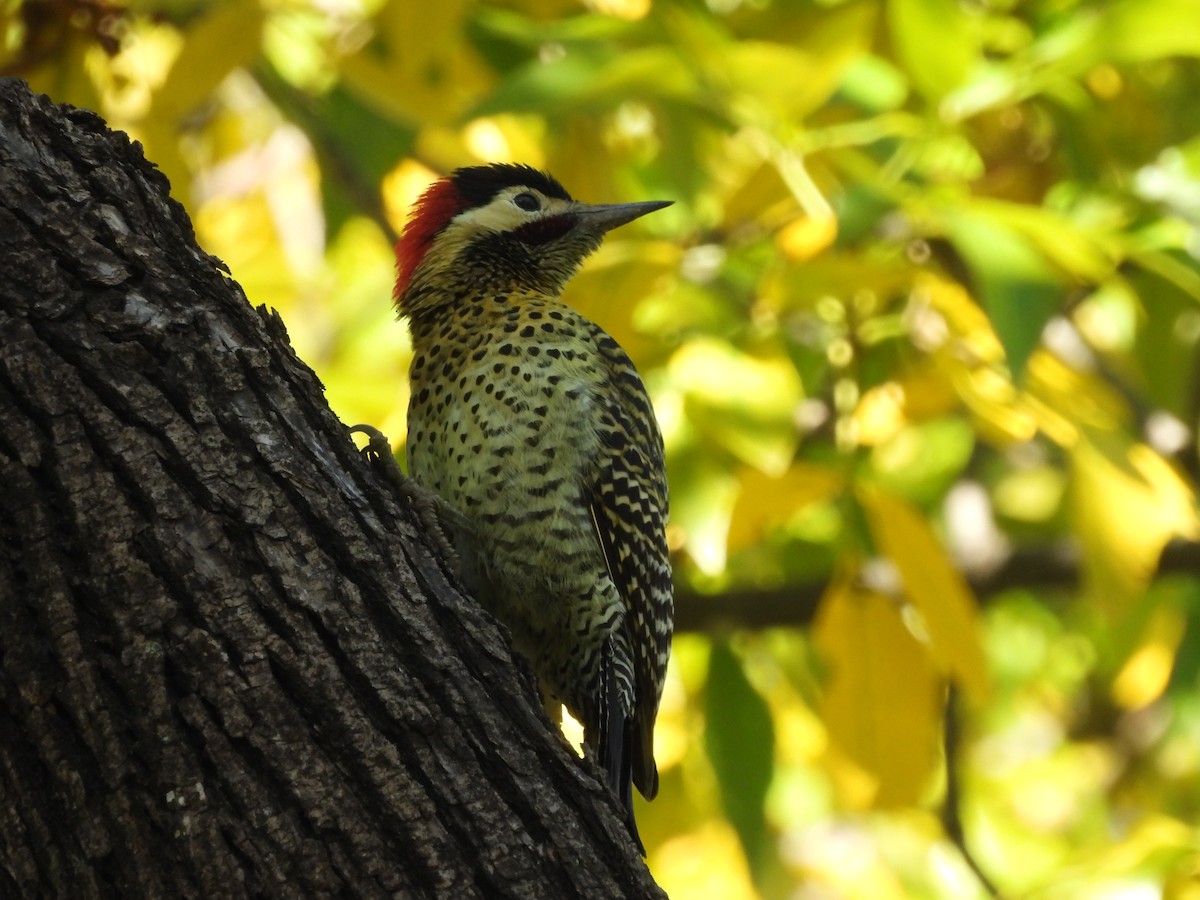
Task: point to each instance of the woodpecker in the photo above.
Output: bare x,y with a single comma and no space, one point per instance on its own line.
532,423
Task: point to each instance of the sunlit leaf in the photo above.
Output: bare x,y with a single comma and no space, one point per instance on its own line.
243,232
765,500
1128,502
882,701
225,38
592,80
1146,673
533,23
1019,288
739,737
1080,395
1137,30
1171,269
936,41
921,461
68,79
420,46
228,36
835,274
1077,249
875,83
703,492
620,276
770,79
704,860
365,369
933,585
792,70
1030,495
653,71
742,402
965,321
806,236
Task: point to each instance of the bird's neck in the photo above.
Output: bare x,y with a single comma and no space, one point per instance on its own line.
460,315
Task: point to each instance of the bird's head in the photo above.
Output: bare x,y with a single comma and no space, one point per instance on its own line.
498,228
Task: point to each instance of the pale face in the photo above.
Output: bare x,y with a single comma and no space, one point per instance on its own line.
520,239
511,208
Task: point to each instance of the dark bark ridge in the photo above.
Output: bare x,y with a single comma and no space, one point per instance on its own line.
230,665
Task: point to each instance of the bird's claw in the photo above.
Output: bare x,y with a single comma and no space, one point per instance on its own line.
378,452
434,513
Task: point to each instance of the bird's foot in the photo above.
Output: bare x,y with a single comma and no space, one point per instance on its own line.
439,519
378,452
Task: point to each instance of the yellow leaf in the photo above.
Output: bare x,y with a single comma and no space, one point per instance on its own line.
765,77
745,403
806,236
933,585
401,187
830,274
758,194
928,393
615,280
1079,253
937,41
420,68
795,72
882,705
1147,672
705,861
966,323
227,37
631,10
1128,503
1080,396
880,413
764,500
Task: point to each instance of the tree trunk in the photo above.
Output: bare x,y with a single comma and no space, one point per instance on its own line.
230,663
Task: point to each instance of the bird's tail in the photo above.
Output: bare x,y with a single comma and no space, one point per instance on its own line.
616,743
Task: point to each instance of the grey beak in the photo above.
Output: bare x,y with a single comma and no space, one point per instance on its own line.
606,216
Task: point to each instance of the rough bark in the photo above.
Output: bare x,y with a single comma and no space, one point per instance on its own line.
230,663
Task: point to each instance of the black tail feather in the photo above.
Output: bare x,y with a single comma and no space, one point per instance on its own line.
615,745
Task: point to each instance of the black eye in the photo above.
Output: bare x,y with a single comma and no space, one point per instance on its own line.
527,202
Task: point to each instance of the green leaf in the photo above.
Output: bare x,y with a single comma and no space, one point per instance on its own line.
587,80
874,83
739,738
921,461
355,164
1167,358
742,402
703,493
1018,287
791,76
936,42
1141,30
1185,594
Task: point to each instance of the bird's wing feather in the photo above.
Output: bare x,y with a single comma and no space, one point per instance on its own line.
629,506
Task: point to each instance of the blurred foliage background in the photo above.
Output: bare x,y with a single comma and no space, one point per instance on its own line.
921,330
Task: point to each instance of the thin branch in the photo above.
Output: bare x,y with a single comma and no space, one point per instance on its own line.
952,804
1055,568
